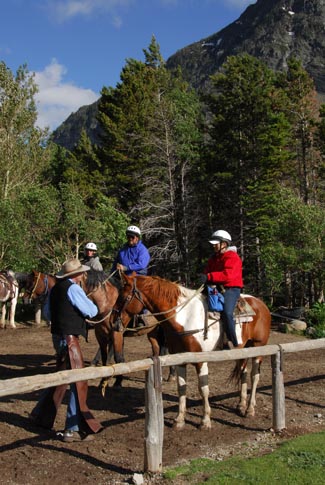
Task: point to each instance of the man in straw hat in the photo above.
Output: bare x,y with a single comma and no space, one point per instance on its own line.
67,308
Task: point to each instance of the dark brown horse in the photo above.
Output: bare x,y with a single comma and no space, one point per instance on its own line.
184,317
37,287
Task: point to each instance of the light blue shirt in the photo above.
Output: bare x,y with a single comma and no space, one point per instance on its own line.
78,299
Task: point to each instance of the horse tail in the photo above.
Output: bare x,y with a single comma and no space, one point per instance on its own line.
235,376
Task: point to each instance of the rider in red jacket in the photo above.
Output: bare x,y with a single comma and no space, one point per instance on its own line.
225,268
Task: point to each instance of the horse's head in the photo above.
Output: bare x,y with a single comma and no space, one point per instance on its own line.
130,300
29,287
37,287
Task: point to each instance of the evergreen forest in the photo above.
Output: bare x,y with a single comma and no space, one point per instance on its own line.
245,155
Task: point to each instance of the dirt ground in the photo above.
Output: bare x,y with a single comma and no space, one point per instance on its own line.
31,456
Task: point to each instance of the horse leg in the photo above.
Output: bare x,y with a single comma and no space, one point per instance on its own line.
179,421
242,405
118,345
12,311
163,350
95,361
38,314
255,377
202,372
3,315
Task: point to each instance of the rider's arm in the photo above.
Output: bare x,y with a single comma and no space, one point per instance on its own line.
79,299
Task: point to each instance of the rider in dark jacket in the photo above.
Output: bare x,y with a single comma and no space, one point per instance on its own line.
90,257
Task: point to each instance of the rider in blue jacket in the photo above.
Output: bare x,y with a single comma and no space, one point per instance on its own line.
133,256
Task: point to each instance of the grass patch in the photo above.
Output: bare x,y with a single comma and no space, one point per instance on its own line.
298,461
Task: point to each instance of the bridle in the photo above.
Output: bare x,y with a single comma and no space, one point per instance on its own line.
136,293
43,295
101,285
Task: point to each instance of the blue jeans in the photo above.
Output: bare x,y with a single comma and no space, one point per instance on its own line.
231,297
73,409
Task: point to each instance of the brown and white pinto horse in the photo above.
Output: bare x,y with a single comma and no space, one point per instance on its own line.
9,292
182,313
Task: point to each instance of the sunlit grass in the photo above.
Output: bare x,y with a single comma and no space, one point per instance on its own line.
298,461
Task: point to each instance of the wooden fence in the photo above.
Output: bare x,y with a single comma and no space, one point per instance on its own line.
154,420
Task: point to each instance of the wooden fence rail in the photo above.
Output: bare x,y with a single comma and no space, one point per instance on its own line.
154,421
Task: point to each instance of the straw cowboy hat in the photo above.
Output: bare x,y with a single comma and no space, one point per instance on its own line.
72,267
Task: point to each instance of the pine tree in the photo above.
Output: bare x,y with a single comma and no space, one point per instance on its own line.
248,135
151,137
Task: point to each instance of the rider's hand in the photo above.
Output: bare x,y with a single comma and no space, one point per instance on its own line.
121,267
203,278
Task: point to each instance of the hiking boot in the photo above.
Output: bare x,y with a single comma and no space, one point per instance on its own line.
73,436
229,345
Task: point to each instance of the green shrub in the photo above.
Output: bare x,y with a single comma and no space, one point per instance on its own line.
315,318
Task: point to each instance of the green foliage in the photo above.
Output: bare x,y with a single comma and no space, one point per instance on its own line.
262,178
22,152
315,318
294,242
151,139
56,223
300,461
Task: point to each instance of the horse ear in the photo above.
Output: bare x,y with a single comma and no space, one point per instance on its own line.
133,274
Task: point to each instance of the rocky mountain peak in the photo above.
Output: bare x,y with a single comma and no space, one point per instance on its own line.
270,30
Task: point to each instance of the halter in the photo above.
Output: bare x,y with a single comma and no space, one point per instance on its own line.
101,284
135,293
31,292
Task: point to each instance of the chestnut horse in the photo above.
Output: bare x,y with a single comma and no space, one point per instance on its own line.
183,314
103,290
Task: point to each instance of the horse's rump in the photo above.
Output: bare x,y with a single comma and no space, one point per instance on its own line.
8,286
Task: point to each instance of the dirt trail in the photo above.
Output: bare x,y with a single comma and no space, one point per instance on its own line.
31,456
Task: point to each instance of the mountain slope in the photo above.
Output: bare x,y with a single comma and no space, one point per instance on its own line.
271,30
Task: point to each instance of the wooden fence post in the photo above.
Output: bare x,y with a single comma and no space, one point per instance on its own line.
278,395
154,422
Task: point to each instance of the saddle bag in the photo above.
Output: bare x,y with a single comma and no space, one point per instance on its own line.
215,299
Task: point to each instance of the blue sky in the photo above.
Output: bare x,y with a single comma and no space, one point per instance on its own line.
75,47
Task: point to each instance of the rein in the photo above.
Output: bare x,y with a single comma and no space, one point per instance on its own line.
34,287
135,293
102,283
94,322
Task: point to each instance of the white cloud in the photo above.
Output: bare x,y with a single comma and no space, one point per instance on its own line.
57,99
66,9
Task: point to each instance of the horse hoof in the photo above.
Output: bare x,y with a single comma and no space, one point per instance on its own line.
171,379
241,411
178,426
250,412
205,427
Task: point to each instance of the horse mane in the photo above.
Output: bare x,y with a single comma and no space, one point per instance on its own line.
160,288
96,278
